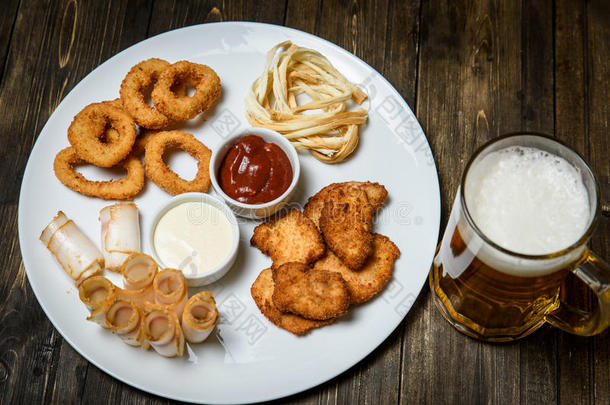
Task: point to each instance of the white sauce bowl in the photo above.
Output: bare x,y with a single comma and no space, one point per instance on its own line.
256,211
215,273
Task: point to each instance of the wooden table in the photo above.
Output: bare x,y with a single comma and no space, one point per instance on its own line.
469,70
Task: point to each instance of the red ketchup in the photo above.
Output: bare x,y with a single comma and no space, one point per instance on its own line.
255,172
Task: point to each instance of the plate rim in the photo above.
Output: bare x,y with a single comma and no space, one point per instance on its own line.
289,392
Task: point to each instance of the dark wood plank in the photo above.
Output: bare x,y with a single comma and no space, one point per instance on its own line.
68,385
7,23
598,46
537,67
359,27
598,49
574,377
66,41
26,44
267,11
538,353
303,14
598,87
99,387
28,342
170,14
402,48
469,78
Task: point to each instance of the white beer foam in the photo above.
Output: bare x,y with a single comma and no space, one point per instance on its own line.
528,200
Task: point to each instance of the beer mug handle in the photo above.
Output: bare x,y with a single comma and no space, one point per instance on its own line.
595,273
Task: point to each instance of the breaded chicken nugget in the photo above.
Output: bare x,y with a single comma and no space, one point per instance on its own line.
289,238
345,223
313,294
262,293
376,193
370,280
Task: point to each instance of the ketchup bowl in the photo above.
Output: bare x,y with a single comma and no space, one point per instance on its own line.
255,210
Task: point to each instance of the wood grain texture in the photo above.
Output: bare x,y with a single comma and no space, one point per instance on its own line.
574,377
7,23
471,70
597,43
303,15
168,14
67,41
28,343
538,353
473,45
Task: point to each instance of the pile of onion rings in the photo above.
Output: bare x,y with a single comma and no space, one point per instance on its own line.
105,134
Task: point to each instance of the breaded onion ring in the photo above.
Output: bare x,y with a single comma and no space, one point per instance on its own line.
112,135
139,147
140,77
123,189
88,128
116,103
202,77
163,176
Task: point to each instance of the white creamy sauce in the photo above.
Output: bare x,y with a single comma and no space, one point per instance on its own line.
193,237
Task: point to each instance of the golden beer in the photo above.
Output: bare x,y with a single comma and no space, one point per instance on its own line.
505,288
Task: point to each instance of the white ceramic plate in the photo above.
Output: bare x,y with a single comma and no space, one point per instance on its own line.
256,361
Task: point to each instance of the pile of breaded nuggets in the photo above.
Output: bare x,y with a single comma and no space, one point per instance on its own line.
325,258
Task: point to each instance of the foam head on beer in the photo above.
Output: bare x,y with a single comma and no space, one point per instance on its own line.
528,200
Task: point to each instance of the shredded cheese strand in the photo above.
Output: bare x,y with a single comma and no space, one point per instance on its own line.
322,125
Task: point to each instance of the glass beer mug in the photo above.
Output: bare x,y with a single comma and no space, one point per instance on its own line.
525,210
